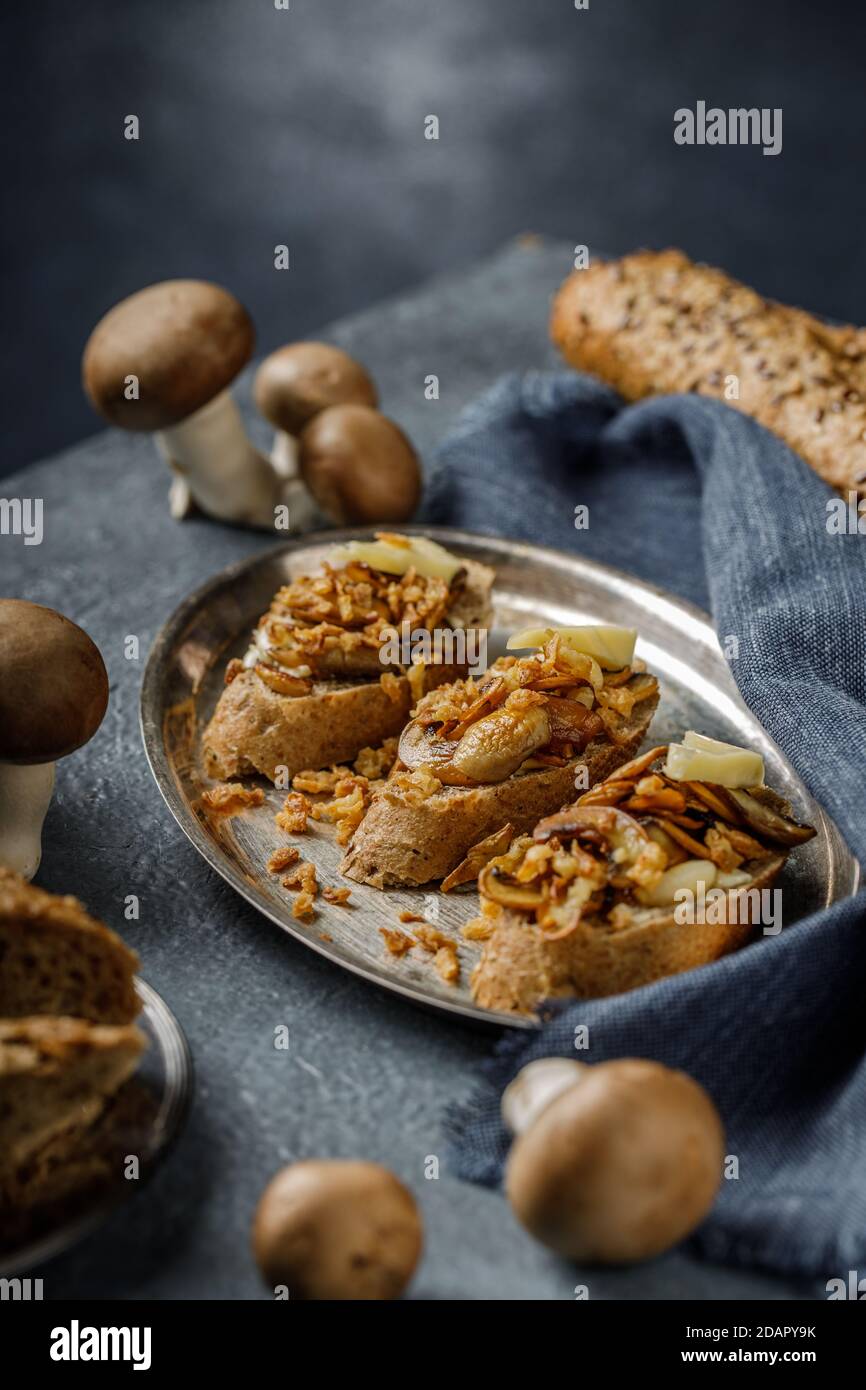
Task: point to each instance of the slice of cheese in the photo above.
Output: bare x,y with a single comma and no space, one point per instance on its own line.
612,647
396,557
702,759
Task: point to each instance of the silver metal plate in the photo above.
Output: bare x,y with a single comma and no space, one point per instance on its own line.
184,677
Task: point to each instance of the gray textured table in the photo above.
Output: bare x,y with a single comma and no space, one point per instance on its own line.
366,1075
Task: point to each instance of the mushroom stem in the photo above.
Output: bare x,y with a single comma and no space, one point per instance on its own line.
533,1089
25,795
226,476
284,454
303,512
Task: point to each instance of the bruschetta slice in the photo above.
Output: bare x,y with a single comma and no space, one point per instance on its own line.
660,868
507,749
326,674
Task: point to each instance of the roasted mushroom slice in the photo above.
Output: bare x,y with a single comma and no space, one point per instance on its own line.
769,823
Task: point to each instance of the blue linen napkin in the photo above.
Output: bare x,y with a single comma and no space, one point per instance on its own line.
695,497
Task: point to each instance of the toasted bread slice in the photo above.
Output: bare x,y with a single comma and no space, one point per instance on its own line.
57,959
403,842
55,1076
255,729
519,967
647,874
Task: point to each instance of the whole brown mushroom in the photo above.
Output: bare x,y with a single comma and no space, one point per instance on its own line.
293,385
53,695
359,466
301,379
163,360
615,1165
337,1229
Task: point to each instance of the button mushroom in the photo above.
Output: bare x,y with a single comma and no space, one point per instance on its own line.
337,1229
298,381
163,360
614,1164
291,386
359,466
53,695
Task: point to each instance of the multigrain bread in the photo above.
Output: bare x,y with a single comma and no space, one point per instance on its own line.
57,959
59,1178
55,1077
266,720
408,841
654,323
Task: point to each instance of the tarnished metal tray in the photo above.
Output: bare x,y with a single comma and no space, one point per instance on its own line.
184,676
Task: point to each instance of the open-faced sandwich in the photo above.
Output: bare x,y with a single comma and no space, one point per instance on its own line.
324,675
507,749
662,867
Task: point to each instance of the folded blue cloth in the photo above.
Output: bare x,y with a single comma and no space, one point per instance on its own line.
701,500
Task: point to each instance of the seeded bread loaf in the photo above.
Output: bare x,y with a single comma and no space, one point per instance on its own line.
55,1077
56,959
655,323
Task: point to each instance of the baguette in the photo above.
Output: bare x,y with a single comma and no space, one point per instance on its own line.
519,968
407,838
345,697
255,730
503,751
655,323
593,904
56,959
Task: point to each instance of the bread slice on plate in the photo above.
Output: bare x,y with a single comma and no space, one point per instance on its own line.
509,749
57,959
322,679
647,875
55,1077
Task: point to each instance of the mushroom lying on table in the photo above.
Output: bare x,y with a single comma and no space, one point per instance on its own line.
162,361
53,695
297,382
357,465
612,1163
337,1229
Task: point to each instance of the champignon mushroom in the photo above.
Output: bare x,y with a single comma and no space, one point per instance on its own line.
297,382
615,1165
359,466
163,360
337,1229
53,695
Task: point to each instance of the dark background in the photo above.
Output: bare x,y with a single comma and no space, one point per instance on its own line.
305,127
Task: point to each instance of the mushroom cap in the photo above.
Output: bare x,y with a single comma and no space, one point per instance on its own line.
337,1229
53,684
359,466
185,341
297,381
620,1166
